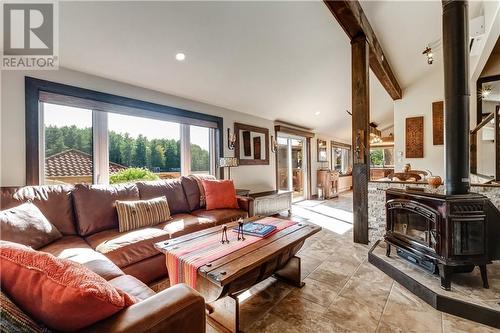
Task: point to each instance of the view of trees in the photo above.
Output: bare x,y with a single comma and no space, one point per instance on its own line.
381,156
155,154
376,157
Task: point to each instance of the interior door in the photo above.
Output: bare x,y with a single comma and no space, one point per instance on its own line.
292,165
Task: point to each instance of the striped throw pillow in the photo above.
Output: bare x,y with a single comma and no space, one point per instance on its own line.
141,213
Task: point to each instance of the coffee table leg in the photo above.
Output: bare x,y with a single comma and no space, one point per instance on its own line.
291,272
225,315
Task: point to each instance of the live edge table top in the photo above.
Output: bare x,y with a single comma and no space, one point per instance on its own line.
230,267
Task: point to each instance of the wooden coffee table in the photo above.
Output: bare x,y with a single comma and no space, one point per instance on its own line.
222,280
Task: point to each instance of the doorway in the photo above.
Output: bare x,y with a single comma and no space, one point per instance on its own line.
292,165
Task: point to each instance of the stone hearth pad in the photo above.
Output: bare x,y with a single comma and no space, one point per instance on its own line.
467,298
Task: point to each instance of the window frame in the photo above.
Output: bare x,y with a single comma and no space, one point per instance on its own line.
34,126
383,148
339,145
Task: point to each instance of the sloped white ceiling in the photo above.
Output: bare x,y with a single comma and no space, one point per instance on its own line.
277,60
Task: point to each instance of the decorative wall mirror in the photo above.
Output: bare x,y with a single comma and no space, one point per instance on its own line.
322,151
252,144
341,158
485,137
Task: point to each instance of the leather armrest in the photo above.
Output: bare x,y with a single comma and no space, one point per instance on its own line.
176,309
246,204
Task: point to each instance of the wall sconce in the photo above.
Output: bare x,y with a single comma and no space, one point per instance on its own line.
231,139
274,145
428,53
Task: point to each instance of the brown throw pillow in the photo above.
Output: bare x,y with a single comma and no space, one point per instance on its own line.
141,213
25,224
199,180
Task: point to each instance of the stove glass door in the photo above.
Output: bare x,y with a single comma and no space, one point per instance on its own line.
414,226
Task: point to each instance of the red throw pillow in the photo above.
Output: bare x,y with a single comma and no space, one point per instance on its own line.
62,294
220,194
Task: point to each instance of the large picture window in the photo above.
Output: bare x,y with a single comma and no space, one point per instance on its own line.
139,142
86,141
68,149
201,139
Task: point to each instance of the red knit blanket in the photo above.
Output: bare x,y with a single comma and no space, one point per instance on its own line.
184,260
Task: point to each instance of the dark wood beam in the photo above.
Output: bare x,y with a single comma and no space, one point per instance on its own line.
360,136
353,20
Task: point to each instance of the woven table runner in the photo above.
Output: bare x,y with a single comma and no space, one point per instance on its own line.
184,261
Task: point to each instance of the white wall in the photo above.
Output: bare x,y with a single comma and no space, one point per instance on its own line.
417,101
12,135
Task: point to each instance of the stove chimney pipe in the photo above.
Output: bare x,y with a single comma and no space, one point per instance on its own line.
456,95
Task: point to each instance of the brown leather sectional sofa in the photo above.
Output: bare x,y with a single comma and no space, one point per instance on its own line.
87,218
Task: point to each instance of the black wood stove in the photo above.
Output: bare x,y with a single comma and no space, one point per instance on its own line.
447,232
442,233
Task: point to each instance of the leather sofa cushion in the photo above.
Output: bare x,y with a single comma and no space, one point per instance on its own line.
220,216
132,287
127,248
76,249
54,201
184,224
148,270
170,188
192,190
95,205
27,225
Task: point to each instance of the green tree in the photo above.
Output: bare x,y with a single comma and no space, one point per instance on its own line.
376,157
157,155
200,160
127,148
54,141
115,142
140,158
172,154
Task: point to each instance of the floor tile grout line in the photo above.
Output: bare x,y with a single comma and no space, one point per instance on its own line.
268,310
385,306
345,284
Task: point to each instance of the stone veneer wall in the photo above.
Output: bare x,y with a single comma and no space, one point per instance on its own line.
376,203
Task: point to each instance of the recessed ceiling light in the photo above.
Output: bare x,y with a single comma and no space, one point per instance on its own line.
180,56
317,113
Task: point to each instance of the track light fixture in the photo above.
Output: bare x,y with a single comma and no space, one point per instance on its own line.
429,54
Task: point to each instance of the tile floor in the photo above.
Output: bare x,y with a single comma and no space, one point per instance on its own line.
343,292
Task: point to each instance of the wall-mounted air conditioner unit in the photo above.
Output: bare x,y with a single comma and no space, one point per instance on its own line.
476,32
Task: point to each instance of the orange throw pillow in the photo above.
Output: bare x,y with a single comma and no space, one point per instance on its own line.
220,194
62,294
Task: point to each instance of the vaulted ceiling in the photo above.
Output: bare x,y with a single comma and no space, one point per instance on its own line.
277,60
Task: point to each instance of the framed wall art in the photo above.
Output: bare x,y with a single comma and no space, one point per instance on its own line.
415,137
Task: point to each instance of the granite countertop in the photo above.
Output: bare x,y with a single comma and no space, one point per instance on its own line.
432,192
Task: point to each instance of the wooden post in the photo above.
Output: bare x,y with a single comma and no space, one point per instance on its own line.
360,135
